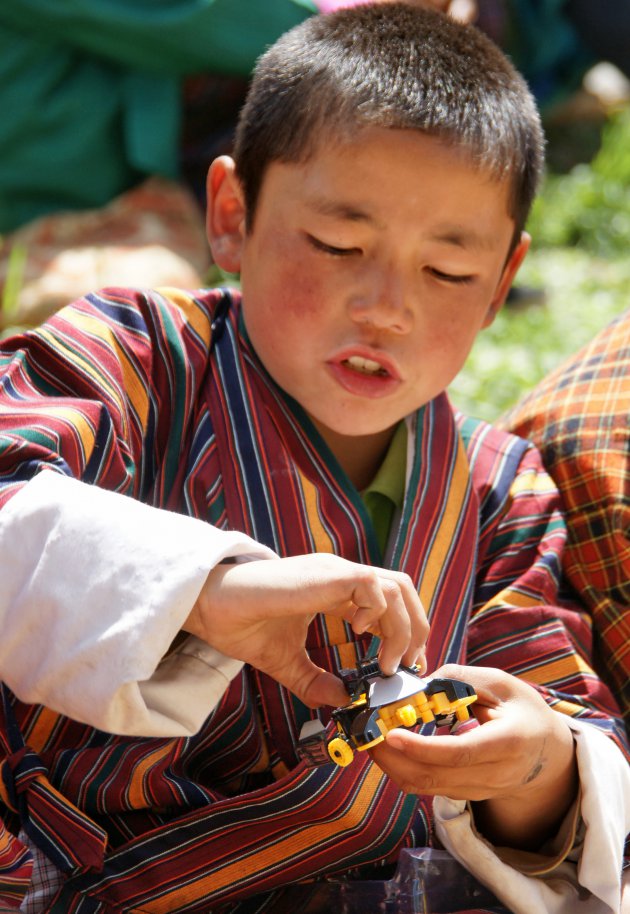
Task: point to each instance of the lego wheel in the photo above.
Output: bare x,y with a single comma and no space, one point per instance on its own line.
406,716
340,752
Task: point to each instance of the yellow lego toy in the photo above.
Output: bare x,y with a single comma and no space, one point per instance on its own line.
379,703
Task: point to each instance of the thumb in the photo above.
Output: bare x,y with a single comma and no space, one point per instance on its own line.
312,685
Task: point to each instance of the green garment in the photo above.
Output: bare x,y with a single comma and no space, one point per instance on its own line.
90,89
386,492
546,48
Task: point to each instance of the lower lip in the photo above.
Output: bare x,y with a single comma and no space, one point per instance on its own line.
362,385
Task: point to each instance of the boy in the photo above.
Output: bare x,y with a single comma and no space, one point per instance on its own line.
385,163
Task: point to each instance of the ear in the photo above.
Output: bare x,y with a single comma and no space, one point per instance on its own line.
225,214
510,270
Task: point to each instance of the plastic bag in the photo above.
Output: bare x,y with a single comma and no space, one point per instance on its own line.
426,881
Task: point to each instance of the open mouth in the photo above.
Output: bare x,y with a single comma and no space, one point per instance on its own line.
365,373
365,366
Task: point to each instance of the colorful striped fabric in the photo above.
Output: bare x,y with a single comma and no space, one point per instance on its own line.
579,417
123,390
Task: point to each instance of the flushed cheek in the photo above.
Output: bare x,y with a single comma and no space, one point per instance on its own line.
283,325
293,284
294,292
451,336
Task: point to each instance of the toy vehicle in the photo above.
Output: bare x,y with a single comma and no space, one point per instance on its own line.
378,704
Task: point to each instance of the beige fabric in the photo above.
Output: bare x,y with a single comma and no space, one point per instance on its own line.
153,235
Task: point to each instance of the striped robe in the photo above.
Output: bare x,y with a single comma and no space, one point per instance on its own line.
160,396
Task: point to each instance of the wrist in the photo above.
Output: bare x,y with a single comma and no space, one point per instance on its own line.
527,819
197,621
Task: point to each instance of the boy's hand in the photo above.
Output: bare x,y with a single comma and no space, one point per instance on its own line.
519,766
260,611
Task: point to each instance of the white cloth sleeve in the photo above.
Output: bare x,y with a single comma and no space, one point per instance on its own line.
95,587
590,884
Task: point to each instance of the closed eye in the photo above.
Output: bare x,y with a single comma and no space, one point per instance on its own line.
455,278
331,249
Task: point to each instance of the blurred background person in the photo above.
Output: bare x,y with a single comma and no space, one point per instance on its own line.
579,418
107,109
111,115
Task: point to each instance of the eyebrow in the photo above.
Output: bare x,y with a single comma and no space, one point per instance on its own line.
453,235
460,237
338,209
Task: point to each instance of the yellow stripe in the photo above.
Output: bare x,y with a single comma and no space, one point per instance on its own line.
94,327
135,794
335,630
557,670
568,708
447,528
135,389
509,597
347,652
5,838
323,541
39,734
191,312
78,422
306,839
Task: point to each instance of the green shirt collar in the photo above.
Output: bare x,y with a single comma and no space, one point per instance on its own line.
385,494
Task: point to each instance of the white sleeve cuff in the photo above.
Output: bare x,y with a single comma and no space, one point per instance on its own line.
95,588
590,886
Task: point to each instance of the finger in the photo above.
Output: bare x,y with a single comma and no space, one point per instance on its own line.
502,740
418,623
480,746
389,619
494,688
465,783
311,684
325,689
433,763
368,600
386,603
395,626
420,661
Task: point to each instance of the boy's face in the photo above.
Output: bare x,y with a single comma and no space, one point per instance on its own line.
368,272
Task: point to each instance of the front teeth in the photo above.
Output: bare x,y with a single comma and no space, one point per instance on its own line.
366,366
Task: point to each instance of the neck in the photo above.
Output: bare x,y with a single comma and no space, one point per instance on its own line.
359,456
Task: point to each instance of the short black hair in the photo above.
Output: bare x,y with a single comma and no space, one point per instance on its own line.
397,66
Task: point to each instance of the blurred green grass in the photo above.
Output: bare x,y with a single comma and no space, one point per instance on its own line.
580,228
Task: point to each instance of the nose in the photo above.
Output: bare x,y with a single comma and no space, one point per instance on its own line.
383,304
